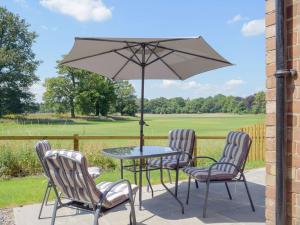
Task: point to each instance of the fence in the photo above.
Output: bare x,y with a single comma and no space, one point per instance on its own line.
257,133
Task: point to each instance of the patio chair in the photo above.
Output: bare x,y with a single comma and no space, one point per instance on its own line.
68,173
229,168
41,148
183,140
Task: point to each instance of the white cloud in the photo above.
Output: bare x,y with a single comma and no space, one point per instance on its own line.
38,90
236,18
81,10
231,84
253,27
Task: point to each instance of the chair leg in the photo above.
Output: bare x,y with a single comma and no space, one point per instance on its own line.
188,191
248,193
134,166
176,181
228,191
132,210
196,183
149,186
170,178
54,211
206,198
46,196
96,216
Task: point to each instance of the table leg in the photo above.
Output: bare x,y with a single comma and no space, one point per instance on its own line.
140,183
122,175
134,166
162,182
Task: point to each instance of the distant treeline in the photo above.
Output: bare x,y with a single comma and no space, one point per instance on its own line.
218,104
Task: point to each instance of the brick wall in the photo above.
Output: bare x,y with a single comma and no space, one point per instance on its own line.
292,112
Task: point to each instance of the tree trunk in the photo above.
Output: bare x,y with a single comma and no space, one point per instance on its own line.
72,108
97,111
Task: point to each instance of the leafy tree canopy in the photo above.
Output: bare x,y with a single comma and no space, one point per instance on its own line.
17,64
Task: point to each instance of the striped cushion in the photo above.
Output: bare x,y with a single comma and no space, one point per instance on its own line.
235,151
167,163
94,172
43,146
181,139
69,172
202,174
117,195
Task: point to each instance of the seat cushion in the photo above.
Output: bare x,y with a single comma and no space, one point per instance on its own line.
202,174
94,172
167,163
117,195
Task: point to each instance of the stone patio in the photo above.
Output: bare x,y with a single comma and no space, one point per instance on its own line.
163,209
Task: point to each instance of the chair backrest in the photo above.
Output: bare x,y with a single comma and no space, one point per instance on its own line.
183,140
236,151
69,173
41,147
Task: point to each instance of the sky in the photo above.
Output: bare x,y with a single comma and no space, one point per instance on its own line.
234,28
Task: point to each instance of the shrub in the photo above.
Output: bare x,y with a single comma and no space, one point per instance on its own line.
19,160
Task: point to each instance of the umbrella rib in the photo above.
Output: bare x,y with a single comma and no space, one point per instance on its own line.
160,57
166,64
125,64
193,54
152,52
107,40
90,56
126,57
134,53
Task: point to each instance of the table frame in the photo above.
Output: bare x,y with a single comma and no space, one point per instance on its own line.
140,170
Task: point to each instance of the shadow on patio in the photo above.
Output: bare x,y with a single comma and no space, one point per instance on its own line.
163,209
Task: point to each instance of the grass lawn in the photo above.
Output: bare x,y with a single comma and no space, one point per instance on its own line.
20,191
203,124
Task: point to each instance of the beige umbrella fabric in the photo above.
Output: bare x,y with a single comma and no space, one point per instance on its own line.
121,58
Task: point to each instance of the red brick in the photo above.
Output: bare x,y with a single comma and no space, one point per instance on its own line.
270,19
270,43
270,69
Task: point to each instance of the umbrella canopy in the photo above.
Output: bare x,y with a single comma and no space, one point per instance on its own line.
144,58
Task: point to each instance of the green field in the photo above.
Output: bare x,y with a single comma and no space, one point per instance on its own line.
22,155
203,124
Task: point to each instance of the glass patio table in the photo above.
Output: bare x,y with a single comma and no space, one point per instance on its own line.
134,153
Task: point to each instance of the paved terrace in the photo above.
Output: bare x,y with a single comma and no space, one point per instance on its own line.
163,210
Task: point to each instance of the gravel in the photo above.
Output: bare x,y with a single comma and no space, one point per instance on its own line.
6,217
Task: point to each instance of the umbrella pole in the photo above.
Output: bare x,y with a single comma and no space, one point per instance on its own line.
142,122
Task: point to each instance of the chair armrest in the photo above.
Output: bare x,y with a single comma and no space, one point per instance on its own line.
204,157
221,163
111,186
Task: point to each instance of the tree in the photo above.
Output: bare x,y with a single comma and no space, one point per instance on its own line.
259,103
58,95
17,64
125,98
72,76
96,94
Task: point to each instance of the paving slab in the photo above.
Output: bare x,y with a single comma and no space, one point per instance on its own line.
163,209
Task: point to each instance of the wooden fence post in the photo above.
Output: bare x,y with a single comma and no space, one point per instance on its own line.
76,142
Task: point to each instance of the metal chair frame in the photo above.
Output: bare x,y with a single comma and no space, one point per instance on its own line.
97,208
240,177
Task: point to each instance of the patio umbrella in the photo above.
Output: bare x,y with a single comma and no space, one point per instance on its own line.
144,58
